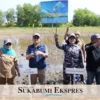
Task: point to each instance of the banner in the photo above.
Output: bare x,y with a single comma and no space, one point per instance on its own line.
75,71
30,92
54,11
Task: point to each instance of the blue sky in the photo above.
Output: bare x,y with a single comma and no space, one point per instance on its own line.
93,5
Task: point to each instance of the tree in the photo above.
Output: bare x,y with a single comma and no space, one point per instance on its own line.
20,16
10,15
1,18
84,17
27,15
36,15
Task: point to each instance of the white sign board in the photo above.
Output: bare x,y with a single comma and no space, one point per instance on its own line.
75,71
28,71
24,68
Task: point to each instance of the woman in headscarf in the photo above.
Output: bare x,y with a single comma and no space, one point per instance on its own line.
8,63
72,56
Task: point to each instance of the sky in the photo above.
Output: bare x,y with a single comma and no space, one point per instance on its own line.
93,5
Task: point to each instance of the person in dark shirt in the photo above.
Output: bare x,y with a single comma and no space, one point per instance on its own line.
79,42
93,59
36,54
72,56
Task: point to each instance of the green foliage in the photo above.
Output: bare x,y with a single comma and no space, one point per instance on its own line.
70,24
1,18
10,24
10,15
28,14
84,17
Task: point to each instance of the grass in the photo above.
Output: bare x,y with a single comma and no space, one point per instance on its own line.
25,34
47,37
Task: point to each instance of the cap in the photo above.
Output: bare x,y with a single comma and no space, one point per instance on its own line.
72,35
36,34
7,41
77,32
95,36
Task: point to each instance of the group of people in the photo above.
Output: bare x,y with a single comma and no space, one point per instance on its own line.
75,54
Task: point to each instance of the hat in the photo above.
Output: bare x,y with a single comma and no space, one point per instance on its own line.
77,32
95,36
7,41
36,34
72,35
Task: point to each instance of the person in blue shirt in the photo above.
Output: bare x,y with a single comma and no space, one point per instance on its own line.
36,54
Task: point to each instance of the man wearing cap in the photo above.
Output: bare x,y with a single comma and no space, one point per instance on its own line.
36,54
93,59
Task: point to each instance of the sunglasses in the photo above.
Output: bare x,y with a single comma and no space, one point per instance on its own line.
35,37
72,37
8,44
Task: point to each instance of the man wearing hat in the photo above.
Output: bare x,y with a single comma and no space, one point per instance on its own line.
93,59
36,54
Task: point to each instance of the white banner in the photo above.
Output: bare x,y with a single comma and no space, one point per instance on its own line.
27,71
28,92
24,68
75,71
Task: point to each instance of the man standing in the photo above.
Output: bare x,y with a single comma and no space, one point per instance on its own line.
37,54
93,59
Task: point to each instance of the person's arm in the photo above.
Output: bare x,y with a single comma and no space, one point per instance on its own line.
84,52
57,43
44,54
81,59
16,66
66,34
28,55
91,47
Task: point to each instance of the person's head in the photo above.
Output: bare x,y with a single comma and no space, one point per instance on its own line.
77,34
36,38
95,38
8,43
72,39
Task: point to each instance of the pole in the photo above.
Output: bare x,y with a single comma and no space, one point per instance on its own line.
56,26
52,24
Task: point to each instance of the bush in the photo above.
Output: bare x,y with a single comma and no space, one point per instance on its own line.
10,24
69,24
